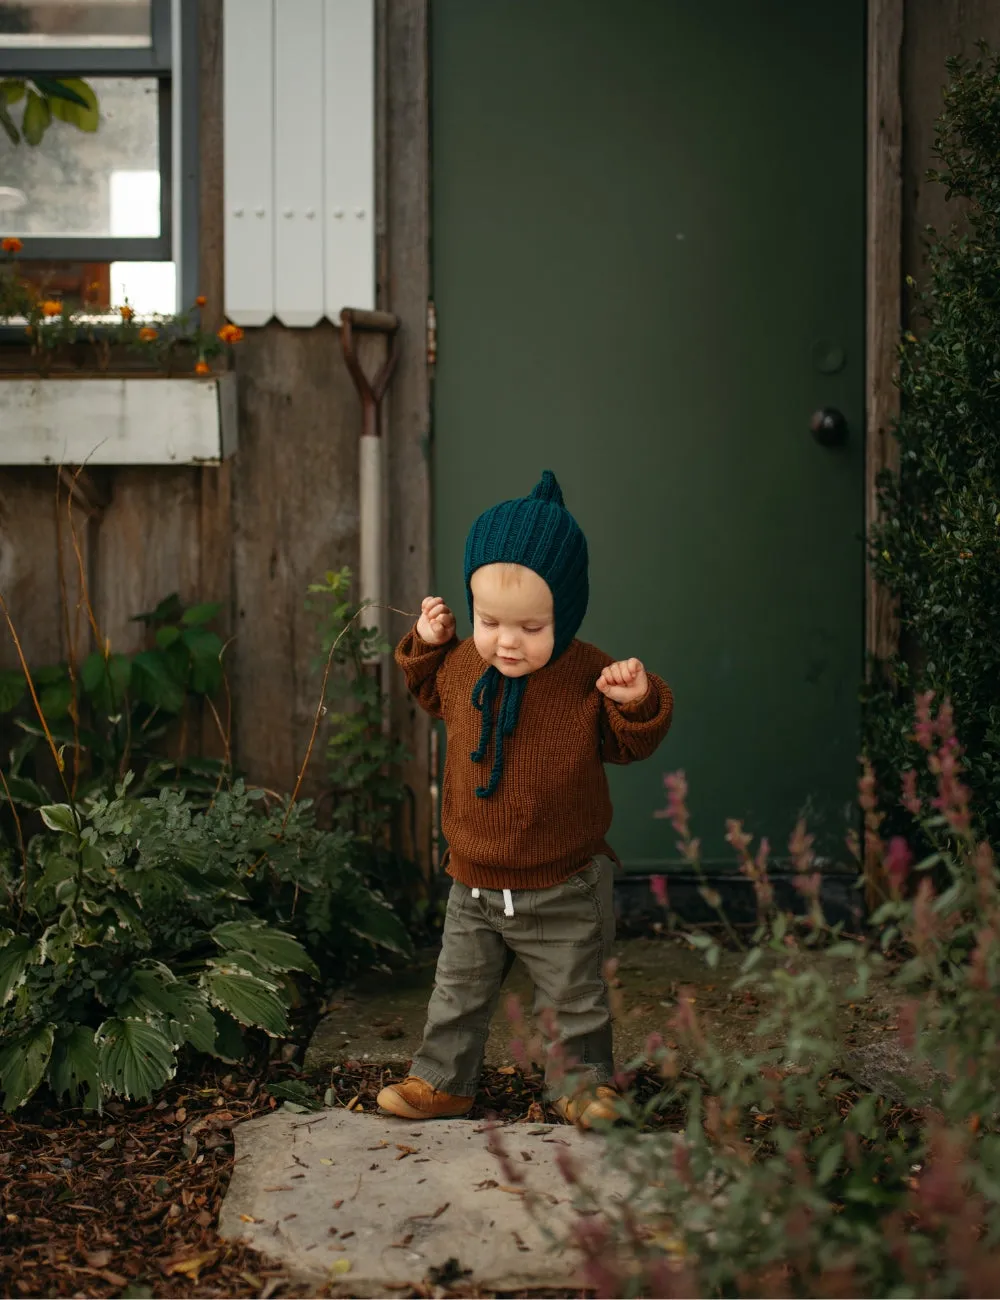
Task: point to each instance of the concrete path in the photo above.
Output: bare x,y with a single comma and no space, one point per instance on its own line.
369,1203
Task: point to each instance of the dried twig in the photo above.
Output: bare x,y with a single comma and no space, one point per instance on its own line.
34,699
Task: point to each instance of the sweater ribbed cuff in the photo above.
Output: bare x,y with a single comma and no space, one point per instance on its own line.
643,710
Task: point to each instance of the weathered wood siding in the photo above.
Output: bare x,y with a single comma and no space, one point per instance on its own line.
251,534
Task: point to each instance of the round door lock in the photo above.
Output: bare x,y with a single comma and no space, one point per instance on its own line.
829,427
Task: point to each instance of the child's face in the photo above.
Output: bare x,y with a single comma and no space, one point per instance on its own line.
513,621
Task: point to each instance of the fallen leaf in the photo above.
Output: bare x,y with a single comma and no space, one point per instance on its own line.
405,1151
340,1266
180,1115
190,1265
98,1258
278,1187
507,1069
325,1160
248,1218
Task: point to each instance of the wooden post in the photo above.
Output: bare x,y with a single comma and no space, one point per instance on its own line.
404,264
884,284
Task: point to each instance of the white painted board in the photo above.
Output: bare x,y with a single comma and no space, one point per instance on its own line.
349,155
116,421
299,79
248,170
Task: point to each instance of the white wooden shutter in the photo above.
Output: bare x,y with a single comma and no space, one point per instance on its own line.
299,127
248,142
349,155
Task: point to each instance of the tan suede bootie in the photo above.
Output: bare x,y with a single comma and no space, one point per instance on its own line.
415,1099
589,1107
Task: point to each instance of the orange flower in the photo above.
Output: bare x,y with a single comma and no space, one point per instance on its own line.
203,368
231,334
126,312
200,300
11,244
147,334
51,307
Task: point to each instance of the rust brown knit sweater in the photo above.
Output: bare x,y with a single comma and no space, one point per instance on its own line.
552,809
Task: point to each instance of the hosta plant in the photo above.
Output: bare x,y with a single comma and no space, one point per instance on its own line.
127,936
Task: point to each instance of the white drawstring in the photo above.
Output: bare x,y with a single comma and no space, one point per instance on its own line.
508,901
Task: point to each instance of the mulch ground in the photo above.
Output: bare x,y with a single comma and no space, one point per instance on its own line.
126,1203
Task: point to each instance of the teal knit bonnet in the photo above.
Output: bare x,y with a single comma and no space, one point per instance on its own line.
539,533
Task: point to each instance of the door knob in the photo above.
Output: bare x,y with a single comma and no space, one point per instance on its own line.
829,427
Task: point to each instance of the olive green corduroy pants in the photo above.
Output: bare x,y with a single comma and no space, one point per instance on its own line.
563,935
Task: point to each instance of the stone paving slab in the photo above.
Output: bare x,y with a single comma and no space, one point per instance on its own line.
370,1201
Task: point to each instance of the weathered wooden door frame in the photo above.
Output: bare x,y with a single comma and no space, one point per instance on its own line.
403,143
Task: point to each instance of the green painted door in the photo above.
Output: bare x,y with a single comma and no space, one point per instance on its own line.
648,252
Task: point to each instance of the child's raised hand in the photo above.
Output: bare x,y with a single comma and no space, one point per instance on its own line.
625,682
436,623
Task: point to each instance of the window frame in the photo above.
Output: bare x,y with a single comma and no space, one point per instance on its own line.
172,58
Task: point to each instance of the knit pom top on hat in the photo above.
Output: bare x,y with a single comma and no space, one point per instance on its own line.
538,532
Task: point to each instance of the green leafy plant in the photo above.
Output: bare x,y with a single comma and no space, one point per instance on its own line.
127,934
114,713
311,884
937,547
368,798
787,1178
65,99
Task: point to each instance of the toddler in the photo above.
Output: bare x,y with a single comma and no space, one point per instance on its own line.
531,715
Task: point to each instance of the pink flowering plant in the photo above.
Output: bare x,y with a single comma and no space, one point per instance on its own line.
785,1177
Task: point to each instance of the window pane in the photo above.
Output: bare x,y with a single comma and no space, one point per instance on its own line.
150,288
75,183
51,23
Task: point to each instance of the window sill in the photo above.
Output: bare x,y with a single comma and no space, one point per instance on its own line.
134,419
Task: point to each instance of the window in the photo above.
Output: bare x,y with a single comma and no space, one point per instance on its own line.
109,214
